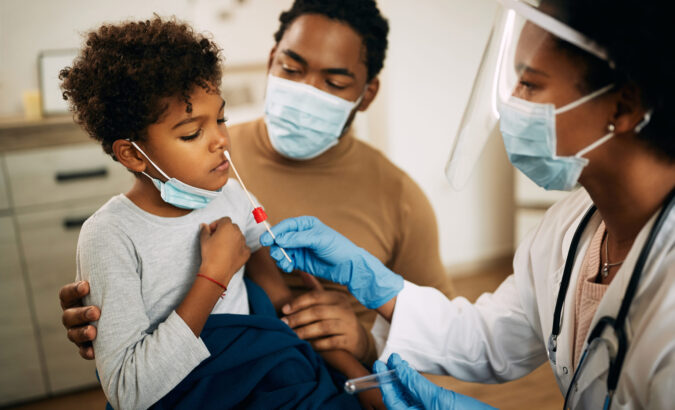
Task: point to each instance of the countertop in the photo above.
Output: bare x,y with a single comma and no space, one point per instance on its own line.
17,133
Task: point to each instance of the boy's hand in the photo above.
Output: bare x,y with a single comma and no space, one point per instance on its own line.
223,249
326,320
76,317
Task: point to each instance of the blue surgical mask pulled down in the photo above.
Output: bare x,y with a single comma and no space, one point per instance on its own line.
303,122
529,133
178,193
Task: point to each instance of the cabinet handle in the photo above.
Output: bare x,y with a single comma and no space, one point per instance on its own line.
74,223
88,173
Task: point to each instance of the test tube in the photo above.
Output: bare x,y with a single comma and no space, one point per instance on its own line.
372,381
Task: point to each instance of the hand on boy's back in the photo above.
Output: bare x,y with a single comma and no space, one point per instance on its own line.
223,248
76,317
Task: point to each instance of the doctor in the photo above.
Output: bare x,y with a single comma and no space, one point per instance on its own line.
584,93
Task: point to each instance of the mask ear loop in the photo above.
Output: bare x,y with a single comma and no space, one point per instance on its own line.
638,128
148,158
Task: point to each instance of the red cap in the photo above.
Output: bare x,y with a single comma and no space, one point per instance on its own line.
259,215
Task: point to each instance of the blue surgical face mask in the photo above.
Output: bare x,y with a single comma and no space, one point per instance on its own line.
177,193
303,122
529,134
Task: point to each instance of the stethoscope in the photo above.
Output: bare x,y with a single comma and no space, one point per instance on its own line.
616,324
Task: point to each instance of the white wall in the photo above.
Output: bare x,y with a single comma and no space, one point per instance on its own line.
30,26
435,49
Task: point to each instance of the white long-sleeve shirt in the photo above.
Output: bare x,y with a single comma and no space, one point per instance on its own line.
503,336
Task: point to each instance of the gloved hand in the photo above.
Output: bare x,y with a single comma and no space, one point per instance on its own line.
321,251
412,390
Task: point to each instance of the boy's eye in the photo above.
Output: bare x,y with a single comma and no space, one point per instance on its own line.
191,137
222,120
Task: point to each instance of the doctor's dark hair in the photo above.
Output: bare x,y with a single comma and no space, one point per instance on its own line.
118,84
637,37
362,16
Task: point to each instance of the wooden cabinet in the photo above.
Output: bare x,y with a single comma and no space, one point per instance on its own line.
4,196
49,240
21,375
45,196
63,174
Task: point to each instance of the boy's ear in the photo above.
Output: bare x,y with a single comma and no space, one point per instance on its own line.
128,155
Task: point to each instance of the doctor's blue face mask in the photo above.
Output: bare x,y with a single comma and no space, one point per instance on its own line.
177,193
529,133
303,122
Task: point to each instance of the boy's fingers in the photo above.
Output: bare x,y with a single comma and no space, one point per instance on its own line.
71,294
204,232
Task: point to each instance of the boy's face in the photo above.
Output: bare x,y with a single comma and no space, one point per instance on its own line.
324,53
190,147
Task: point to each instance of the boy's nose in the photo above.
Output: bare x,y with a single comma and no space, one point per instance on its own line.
219,140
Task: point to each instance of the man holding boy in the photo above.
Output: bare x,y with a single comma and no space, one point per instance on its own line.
327,53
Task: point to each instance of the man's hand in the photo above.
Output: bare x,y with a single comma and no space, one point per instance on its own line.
76,317
326,320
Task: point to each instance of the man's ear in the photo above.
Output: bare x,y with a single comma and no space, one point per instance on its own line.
128,155
370,94
270,59
629,111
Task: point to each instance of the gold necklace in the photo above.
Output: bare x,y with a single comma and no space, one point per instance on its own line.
607,265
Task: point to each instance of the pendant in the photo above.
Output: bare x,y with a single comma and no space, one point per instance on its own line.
605,270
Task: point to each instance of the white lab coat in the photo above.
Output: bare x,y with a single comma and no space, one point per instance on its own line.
503,335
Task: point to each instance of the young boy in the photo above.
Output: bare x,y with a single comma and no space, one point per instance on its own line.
169,253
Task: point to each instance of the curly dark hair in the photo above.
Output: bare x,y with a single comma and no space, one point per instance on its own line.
362,16
636,36
118,84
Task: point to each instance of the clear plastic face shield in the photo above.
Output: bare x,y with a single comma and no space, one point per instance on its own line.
518,62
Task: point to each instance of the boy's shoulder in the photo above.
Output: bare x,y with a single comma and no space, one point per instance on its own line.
106,223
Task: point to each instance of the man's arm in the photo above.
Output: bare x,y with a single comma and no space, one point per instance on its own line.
417,257
76,317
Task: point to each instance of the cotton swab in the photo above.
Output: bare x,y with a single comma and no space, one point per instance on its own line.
258,213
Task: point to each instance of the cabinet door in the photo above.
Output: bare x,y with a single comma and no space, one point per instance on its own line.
20,373
72,173
4,198
49,239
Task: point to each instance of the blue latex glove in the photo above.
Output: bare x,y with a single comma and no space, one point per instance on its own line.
321,251
412,390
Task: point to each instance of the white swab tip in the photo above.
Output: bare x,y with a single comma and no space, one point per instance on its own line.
227,155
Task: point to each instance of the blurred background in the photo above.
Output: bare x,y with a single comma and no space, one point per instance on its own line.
52,177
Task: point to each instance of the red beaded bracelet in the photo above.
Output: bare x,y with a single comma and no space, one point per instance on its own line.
216,282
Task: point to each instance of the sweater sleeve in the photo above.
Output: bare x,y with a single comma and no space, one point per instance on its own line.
417,255
137,365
